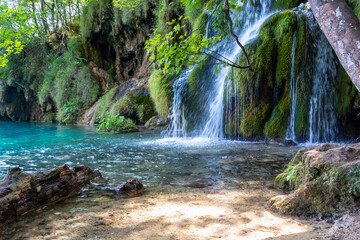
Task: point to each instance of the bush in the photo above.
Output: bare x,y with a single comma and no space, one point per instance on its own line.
116,123
68,113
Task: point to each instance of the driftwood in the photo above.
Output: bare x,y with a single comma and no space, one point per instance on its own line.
22,192
342,28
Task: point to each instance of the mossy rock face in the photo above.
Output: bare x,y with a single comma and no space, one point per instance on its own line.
114,38
281,27
254,121
324,180
131,100
286,4
277,125
160,91
270,57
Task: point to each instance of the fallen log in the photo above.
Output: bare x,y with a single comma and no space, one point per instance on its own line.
22,192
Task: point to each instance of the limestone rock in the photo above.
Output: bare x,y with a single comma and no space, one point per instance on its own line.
325,180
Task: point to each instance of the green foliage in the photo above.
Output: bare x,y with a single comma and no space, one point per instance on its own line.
117,124
104,104
66,80
292,177
12,40
75,46
95,12
352,183
160,91
178,49
125,106
68,113
130,4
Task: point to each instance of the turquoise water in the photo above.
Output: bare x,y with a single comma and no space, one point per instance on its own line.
159,163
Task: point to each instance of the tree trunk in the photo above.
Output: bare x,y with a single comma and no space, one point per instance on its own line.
342,28
22,192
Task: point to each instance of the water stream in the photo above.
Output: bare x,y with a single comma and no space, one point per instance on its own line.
209,122
322,116
293,94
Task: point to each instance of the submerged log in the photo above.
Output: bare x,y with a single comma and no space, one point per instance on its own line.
342,28
22,192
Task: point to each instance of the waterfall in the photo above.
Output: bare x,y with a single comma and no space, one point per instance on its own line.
207,120
213,127
293,93
322,116
177,126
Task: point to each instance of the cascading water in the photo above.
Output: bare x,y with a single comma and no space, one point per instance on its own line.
322,116
293,94
207,119
176,127
214,124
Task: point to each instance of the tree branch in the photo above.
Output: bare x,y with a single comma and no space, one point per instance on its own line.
228,18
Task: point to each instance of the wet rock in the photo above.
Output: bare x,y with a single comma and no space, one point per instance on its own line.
285,142
22,192
132,187
201,183
324,180
154,122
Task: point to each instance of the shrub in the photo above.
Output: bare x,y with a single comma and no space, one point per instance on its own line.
116,123
68,113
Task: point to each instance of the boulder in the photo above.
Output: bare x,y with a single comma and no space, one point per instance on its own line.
132,187
22,192
325,180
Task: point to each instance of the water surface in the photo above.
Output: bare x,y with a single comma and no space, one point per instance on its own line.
159,163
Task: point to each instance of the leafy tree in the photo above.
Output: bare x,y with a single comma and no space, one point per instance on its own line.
24,21
130,4
179,47
14,30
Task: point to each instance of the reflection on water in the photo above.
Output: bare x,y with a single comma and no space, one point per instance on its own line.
159,163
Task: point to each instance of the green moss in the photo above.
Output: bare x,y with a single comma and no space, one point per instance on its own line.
193,80
125,106
270,57
277,125
104,104
264,60
283,65
160,91
254,120
144,108
343,92
286,4
68,81
200,23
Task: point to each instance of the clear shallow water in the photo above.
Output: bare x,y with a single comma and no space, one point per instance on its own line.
159,163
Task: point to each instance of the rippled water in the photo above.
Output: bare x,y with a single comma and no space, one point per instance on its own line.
159,163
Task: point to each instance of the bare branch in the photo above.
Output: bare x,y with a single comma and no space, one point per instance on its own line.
228,18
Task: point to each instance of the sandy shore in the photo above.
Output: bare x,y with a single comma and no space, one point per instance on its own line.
188,213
